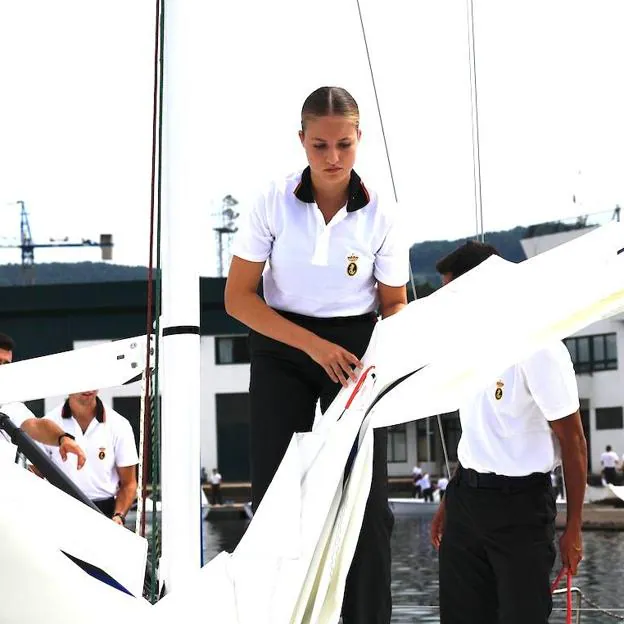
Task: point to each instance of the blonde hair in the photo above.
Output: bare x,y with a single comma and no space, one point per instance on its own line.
330,101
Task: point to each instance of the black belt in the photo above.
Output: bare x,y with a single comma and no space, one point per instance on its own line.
493,481
329,321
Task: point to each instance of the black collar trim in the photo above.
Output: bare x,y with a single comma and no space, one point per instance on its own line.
358,194
100,412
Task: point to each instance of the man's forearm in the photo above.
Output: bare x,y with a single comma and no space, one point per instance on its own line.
574,461
42,430
125,498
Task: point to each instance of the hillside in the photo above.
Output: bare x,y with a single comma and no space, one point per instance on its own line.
423,257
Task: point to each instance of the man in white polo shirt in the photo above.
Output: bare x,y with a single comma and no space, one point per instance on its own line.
495,526
38,429
109,478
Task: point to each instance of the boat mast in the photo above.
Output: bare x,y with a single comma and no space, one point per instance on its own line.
185,111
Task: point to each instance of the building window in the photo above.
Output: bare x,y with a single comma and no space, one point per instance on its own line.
609,418
592,354
397,443
231,350
425,441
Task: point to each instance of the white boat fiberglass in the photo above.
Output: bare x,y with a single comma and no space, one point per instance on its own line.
291,564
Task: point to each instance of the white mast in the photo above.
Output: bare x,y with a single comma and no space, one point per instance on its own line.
185,110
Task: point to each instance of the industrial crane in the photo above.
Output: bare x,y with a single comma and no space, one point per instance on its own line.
27,245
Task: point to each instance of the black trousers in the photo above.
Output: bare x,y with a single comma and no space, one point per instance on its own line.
215,494
284,389
610,475
106,506
497,554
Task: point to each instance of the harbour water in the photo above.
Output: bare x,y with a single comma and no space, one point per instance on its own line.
415,570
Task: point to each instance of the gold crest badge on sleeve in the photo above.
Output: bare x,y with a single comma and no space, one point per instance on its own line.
102,453
352,267
498,394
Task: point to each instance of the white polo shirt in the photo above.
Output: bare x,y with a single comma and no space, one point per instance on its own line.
505,428
609,459
107,445
318,269
18,413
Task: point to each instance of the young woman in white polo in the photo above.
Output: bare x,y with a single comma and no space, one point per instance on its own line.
333,259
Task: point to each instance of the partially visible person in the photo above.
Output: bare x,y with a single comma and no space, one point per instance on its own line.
442,485
424,483
495,527
609,461
38,429
215,488
416,475
110,476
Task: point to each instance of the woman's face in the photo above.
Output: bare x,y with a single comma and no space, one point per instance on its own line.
330,145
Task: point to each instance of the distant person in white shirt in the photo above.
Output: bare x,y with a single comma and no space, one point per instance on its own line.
495,527
38,429
425,487
215,491
442,485
109,478
416,475
609,460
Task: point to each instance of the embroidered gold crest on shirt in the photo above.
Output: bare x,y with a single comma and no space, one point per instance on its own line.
102,453
352,266
498,395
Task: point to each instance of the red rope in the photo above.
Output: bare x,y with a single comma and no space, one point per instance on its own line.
553,587
358,385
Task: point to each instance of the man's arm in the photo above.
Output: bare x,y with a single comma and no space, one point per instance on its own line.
127,491
48,432
569,432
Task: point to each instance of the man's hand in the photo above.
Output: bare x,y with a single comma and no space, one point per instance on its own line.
118,520
571,549
71,446
437,525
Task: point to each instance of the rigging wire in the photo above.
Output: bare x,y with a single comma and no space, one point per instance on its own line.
383,134
150,409
474,116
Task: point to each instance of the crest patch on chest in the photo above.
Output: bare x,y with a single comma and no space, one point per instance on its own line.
498,393
352,267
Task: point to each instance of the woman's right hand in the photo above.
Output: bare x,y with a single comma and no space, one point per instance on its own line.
339,364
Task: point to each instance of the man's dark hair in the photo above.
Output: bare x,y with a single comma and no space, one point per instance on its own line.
608,448
7,343
465,258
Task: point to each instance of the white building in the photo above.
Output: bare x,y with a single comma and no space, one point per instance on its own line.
594,351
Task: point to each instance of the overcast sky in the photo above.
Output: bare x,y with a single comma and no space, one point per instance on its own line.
76,90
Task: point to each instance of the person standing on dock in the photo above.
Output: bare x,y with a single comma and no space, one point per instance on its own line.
109,478
334,258
609,461
215,488
495,528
